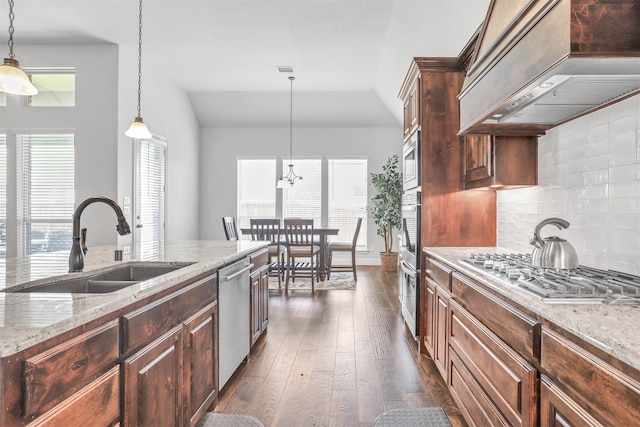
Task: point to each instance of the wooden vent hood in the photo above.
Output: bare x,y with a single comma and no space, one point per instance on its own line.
540,63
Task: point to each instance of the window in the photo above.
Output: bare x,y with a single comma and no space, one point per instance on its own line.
45,191
256,190
303,199
332,192
347,198
56,88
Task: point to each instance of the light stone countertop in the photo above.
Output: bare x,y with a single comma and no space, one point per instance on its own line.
612,328
29,318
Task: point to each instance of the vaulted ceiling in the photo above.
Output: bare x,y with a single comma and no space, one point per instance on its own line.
349,56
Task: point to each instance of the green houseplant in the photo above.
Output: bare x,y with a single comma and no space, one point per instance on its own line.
386,209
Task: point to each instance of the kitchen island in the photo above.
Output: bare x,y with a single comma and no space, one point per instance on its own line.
67,357
509,357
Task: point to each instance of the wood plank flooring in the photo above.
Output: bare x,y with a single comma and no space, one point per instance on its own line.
336,358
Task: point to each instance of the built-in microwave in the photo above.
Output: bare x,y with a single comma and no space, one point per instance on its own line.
411,162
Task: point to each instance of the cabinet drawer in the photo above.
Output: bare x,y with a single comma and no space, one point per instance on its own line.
55,374
558,409
151,321
98,404
514,327
608,394
506,378
438,272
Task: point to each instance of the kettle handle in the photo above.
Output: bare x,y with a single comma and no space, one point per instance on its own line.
558,222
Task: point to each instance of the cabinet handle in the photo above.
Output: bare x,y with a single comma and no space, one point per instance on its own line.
237,273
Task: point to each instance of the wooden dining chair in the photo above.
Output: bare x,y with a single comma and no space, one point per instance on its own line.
344,247
300,244
230,230
269,230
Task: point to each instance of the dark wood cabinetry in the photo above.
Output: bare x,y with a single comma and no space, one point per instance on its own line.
581,383
411,107
259,295
450,216
153,383
509,366
500,162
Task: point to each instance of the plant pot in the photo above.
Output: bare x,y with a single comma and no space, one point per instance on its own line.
389,261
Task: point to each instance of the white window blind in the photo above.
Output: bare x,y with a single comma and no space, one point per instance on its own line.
256,190
347,198
303,198
45,193
3,195
150,198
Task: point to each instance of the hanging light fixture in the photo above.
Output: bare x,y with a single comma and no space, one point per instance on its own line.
138,129
291,176
12,78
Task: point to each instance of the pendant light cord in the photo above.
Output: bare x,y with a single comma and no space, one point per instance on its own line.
10,42
139,54
291,79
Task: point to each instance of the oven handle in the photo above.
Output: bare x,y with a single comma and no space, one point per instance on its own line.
408,270
410,208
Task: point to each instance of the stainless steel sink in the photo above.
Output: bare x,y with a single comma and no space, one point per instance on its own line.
103,282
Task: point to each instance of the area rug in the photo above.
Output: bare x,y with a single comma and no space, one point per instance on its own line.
338,281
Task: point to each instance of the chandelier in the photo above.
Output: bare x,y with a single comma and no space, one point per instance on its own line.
12,78
291,176
138,129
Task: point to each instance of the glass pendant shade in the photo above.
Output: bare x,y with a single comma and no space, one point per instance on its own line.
15,81
138,130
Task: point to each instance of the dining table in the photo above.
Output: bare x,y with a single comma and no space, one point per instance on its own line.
318,230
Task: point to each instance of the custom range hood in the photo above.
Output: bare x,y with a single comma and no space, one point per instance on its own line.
540,63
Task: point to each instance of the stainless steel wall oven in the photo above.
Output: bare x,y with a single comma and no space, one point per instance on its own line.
410,250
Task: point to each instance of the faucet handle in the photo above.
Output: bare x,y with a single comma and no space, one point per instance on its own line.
83,240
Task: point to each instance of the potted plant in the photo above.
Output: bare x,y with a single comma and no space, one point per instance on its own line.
386,209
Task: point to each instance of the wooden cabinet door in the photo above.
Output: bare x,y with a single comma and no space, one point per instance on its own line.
441,331
264,299
478,157
200,363
256,321
428,308
153,383
559,410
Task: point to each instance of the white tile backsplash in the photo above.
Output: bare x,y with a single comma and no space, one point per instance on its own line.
588,174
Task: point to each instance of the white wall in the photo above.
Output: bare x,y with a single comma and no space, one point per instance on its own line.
93,120
220,147
589,174
166,111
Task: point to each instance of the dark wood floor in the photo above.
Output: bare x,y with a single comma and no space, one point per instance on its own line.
335,358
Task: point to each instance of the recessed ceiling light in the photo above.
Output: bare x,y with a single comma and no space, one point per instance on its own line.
285,69
546,85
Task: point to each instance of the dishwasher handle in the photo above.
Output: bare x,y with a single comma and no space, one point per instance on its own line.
237,273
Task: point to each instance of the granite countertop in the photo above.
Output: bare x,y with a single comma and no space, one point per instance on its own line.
609,327
29,318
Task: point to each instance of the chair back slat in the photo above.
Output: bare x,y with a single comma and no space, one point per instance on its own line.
230,230
355,235
265,230
298,232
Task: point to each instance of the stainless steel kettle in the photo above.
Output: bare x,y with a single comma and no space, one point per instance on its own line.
553,252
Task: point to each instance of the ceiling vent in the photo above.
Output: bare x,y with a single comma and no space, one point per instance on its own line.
285,69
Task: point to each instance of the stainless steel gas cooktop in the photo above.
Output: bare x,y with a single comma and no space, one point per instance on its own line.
578,285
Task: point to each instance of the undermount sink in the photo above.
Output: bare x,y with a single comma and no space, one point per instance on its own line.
104,282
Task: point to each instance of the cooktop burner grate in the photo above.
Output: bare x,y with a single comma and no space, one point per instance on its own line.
582,284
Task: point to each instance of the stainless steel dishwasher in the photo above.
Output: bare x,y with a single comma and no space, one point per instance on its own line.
233,318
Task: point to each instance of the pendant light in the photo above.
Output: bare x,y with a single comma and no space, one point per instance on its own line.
138,129
12,78
291,176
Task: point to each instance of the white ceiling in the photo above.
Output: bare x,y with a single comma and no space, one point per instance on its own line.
349,56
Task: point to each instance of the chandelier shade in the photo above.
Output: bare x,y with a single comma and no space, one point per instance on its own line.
12,79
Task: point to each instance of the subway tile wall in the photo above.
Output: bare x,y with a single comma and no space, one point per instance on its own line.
588,174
